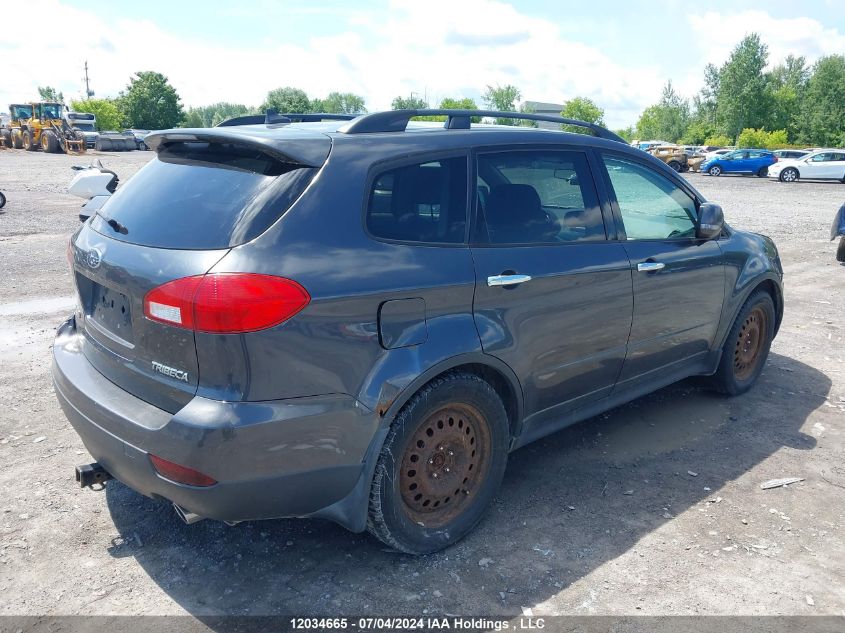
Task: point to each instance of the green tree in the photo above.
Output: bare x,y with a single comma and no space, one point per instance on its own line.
151,103
788,81
582,109
750,137
821,120
627,133
450,103
107,111
408,103
718,140
667,120
745,96
287,99
503,99
214,114
339,103
48,93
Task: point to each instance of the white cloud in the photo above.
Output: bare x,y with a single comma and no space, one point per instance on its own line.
442,47
718,33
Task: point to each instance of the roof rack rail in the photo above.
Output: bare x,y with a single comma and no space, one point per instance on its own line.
397,121
273,117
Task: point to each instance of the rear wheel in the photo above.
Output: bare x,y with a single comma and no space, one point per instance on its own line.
747,346
790,174
715,170
441,464
762,172
7,138
28,142
840,252
17,140
2,200
675,165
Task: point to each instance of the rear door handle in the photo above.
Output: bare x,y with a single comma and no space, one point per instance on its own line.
650,267
507,280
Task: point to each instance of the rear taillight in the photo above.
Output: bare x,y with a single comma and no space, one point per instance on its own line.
180,474
226,303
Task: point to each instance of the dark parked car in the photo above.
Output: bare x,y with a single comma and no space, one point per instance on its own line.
838,230
358,321
750,162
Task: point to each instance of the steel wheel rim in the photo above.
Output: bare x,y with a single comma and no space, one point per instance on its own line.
750,343
445,464
789,176
715,171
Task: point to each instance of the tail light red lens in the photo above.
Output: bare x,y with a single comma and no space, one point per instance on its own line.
180,474
226,303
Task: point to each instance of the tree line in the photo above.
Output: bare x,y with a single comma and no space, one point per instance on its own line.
740,103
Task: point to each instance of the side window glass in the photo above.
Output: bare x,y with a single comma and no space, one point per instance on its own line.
425,202
652,207
537,197
820,158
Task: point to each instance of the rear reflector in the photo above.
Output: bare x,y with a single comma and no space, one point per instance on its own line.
180,474
226,303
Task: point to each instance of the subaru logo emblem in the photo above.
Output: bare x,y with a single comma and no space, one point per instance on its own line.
93,258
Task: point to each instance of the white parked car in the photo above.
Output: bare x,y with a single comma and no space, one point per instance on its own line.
826,164
717,152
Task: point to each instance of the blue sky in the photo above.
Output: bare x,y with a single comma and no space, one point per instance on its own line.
613,52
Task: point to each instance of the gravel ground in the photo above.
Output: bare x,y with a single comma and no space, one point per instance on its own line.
652,508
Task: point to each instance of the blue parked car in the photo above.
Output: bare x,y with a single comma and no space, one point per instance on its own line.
741,161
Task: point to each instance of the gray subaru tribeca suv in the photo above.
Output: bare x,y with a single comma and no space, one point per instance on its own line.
358,320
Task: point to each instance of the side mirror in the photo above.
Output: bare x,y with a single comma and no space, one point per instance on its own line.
711,221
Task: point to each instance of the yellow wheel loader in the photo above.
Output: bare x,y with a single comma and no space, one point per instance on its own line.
41,125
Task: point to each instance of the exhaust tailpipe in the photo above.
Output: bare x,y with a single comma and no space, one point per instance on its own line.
188,517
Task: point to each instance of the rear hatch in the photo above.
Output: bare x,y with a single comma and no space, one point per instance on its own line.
204,193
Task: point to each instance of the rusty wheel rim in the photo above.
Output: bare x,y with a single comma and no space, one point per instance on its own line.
749,344
445,464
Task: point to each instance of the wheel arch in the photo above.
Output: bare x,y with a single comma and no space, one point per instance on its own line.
500,376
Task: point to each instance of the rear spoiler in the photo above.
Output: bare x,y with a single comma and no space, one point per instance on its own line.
289,145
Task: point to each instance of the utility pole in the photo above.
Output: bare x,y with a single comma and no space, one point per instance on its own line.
88,92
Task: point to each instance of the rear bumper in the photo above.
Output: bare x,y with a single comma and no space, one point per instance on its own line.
285,458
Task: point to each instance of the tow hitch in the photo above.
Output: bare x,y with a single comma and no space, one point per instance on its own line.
90,474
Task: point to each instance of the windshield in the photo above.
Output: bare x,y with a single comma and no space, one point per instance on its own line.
85,127
21,112
51,110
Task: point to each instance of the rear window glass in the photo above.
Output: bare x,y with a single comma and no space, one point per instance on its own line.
202,196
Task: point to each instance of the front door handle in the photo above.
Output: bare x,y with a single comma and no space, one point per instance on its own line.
650,267
507,280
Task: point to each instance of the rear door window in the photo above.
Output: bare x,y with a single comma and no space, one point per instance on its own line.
202,196
537,197
421,202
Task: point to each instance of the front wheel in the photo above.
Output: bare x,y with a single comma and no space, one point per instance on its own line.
790,174
28,142
441,464
747,346
675,165
715,170
840,252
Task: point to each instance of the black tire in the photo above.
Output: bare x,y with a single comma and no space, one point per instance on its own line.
28,144
752,332
675,165
413,481
49,142
7,139
790,174
840,252
763,172
2,200
17,139
715,170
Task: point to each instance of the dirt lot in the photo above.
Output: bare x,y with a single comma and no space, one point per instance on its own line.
653,508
